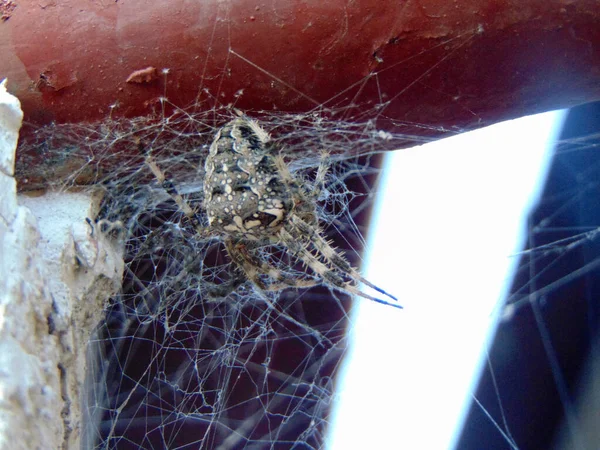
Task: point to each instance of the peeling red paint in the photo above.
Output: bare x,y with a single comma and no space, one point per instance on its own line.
56,78
143,75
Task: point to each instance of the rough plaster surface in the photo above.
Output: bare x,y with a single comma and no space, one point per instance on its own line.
56,274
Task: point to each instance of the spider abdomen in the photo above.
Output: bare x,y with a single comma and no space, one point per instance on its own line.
244,194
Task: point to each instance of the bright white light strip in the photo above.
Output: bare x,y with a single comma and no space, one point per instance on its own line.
450,215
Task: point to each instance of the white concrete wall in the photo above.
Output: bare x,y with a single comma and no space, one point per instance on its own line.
56,273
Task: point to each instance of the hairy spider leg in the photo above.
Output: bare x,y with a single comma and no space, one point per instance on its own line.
170,189
332,255
289,180
253,268
315,238
325,272
321,174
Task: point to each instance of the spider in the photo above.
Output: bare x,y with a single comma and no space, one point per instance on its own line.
251,200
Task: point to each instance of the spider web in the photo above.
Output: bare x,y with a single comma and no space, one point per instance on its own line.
187,356
249,369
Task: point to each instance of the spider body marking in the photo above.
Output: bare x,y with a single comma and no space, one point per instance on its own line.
244,195
251,199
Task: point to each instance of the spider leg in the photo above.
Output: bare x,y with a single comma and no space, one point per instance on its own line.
283,171
312,236
321,174
224,289
170,188
331,255
325,272
289,180
254,268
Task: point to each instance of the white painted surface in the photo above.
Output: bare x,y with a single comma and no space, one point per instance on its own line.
450,216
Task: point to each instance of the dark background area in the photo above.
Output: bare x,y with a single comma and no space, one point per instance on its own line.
532,385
